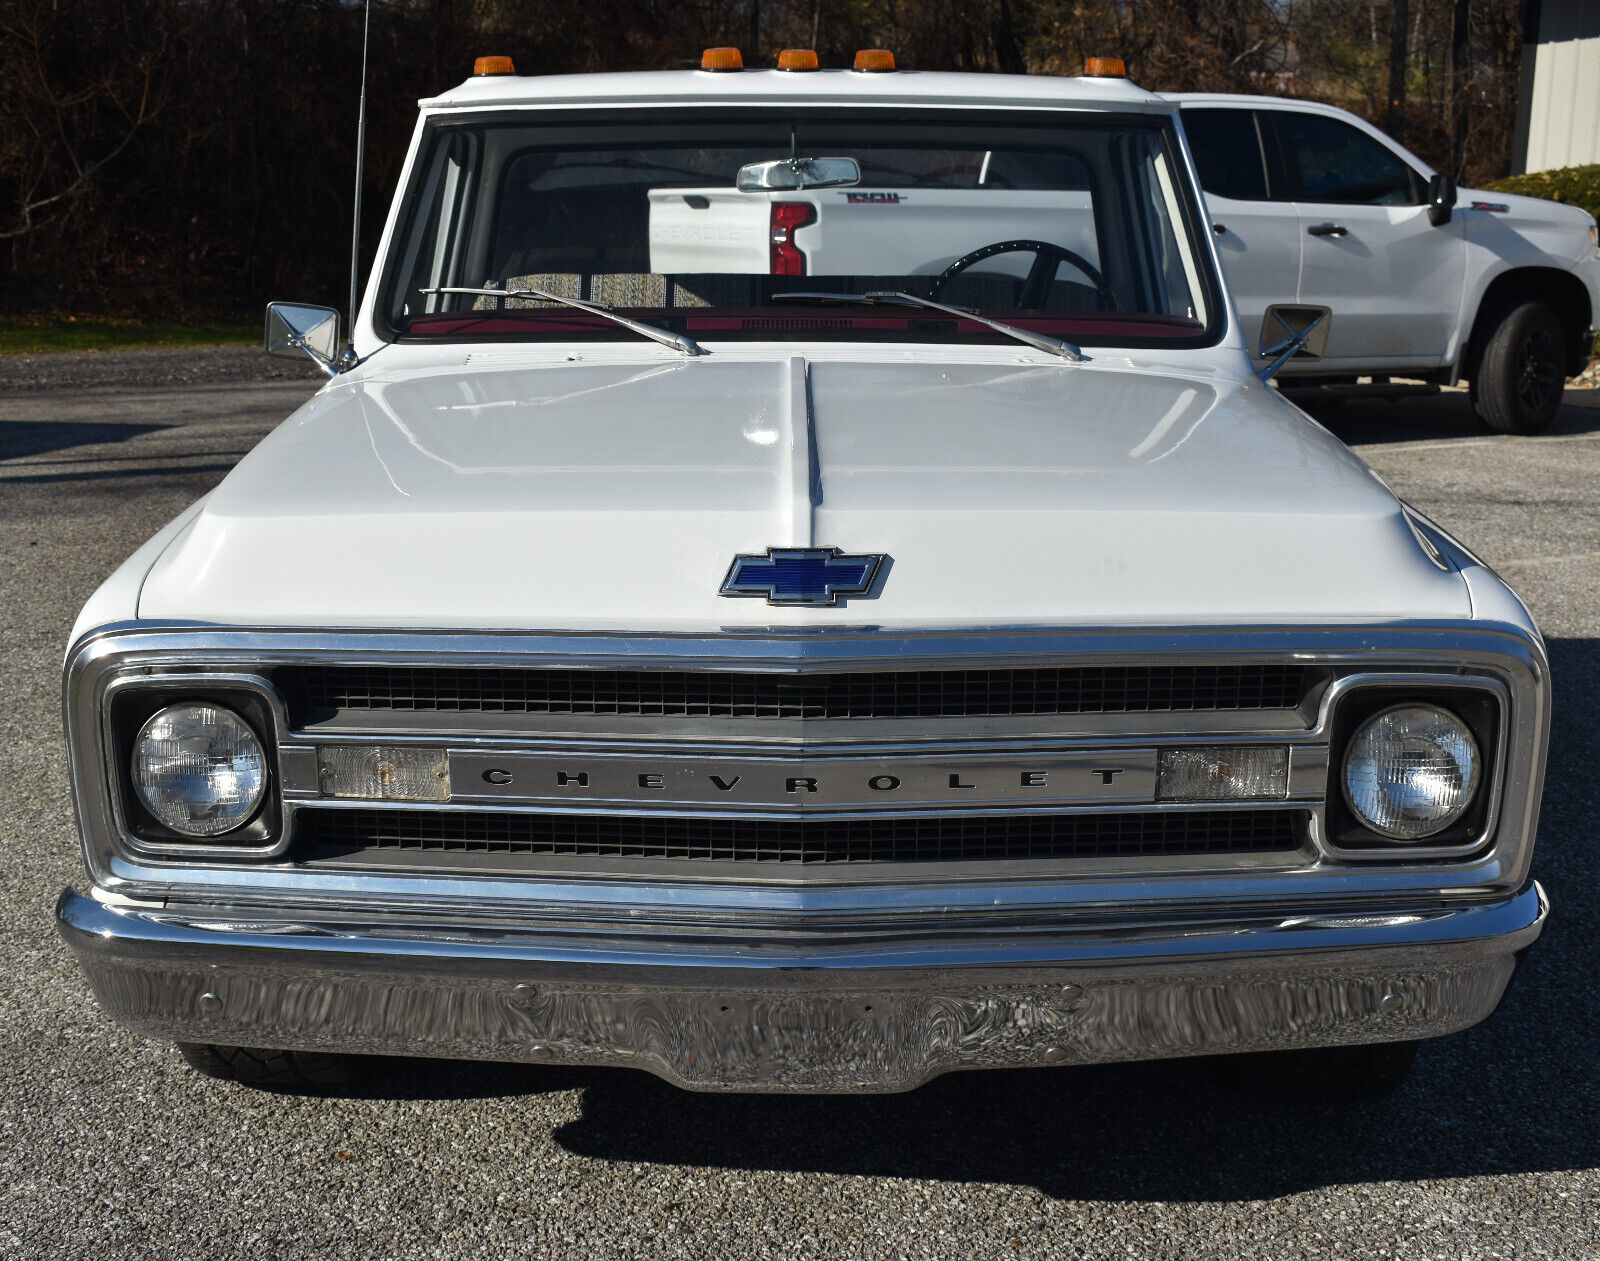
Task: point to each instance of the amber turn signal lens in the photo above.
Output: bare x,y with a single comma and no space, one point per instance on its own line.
1105,68
797,59
721,59
493,65
874,60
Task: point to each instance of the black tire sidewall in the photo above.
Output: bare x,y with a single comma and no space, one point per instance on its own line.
283,1070
1495,394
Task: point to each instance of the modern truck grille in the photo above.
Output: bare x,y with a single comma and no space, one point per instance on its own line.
864,694
332,835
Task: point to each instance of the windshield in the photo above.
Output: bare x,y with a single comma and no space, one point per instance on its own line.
708,225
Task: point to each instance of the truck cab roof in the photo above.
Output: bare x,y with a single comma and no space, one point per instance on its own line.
818,87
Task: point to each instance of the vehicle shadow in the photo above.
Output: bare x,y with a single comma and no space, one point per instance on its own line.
1372,422
20,438
1518,1093
120,474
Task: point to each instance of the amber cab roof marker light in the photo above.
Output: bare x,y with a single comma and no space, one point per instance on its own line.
721,59
1105,68
797,59
874,60
493,65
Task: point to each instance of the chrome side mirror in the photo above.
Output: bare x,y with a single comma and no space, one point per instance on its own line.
294,329
788,174
1287,331
1441,199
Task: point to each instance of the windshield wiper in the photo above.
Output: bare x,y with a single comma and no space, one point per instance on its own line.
891,297
680,343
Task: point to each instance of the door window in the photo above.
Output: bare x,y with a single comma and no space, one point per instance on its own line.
1330,161
1227,152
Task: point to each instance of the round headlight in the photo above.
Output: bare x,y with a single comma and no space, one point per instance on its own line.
1411,771
199,769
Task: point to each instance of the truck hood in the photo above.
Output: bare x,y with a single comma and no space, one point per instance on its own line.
1531,211
612,491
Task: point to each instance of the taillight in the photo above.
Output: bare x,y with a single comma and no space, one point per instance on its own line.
787,260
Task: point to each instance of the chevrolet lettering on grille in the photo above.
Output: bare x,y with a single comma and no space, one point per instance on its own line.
789,784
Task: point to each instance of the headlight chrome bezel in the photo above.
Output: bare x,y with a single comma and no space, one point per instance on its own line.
131,701
1480,705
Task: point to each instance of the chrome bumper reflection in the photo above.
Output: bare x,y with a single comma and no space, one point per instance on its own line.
842,1019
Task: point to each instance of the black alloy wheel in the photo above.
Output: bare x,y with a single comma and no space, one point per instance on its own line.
1522,371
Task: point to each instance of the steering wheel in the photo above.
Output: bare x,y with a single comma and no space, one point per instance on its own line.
1047,258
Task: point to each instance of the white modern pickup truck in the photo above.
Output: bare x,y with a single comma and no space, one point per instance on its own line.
1313,205
699,629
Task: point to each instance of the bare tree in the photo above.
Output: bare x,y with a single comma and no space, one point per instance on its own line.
1460,84
61,135
1395,119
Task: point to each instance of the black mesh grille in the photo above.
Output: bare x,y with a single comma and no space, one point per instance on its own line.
899,694
332,834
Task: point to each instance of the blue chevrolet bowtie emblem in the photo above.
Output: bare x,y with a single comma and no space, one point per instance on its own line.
802,575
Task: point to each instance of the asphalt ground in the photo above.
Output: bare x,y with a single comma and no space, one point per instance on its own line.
110,1147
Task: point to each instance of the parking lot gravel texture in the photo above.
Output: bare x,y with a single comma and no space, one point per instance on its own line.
111,1148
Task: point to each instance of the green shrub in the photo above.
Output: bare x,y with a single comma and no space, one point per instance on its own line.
1572,185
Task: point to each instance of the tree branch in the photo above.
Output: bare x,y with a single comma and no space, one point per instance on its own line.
82,174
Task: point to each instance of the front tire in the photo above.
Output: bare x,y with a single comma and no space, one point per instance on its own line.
1522,371
280,1070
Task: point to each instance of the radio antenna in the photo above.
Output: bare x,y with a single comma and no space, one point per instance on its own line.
355,225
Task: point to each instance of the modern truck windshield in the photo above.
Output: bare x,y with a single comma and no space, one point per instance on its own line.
1079,228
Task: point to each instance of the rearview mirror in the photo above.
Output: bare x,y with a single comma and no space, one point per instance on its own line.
787,174
294,329
1441,197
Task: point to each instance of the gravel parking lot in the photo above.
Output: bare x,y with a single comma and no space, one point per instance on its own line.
110,1147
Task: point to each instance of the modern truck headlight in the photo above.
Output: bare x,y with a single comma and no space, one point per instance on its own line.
1411,771
199,769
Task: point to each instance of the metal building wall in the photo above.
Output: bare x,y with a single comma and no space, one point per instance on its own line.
1559,118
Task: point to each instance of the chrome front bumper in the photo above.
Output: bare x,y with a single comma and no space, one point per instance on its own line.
848,1015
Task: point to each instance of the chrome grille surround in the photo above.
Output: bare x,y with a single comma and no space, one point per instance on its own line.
1498,659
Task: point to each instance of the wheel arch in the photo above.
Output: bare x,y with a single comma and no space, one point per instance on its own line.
1561,289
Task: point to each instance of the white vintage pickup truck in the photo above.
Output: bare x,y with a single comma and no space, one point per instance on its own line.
794,668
